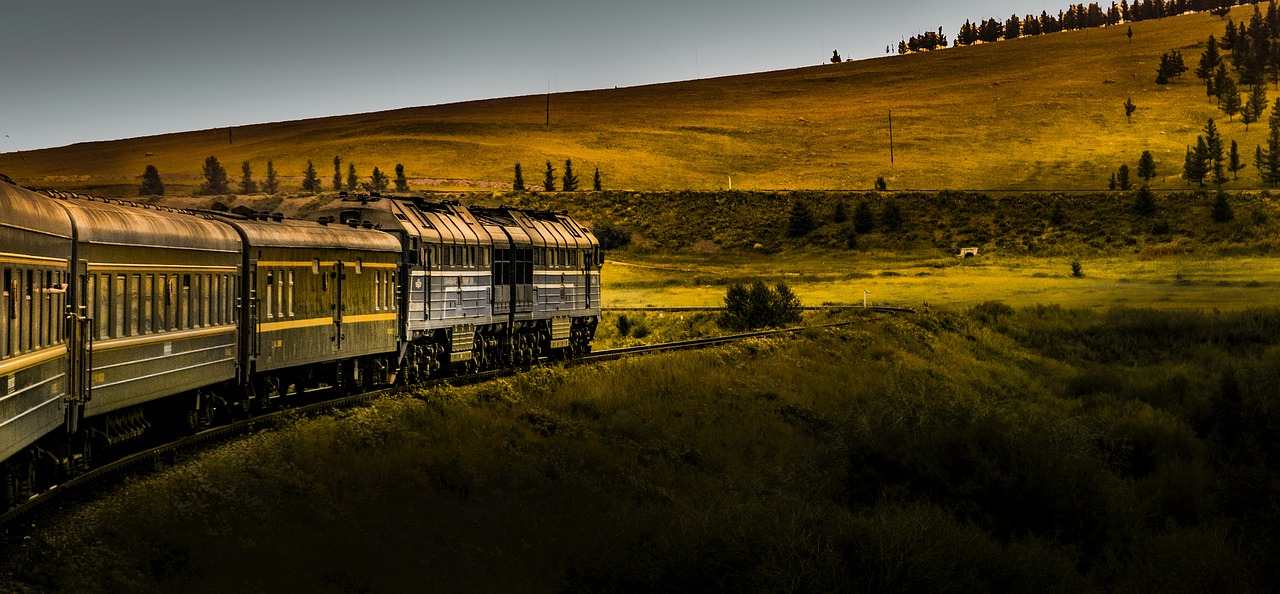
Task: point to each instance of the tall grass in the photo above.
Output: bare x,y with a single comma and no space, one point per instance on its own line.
1002,450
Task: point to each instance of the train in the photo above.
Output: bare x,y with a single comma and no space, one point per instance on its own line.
125,321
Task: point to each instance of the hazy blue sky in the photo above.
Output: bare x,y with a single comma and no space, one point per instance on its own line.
74,70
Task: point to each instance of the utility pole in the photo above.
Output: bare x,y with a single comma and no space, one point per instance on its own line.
891,137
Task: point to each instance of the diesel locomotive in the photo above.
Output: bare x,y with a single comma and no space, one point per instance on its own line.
124,320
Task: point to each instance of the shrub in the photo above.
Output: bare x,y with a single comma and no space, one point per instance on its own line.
1076,269
863,220
1144,203
891,217
640,331
1222,209
759,305
612,237
623,324
800,222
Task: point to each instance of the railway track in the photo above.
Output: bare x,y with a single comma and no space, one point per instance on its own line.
697,308
14,520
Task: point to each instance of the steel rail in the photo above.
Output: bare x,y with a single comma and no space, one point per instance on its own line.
158,454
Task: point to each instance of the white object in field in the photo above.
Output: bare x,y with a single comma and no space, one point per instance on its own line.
865,294
967,252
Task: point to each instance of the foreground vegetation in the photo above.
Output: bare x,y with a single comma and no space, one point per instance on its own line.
1034,113
1035,450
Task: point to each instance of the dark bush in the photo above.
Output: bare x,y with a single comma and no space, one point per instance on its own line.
759,305
624,325
612,237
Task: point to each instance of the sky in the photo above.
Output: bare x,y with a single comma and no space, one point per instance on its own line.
79,70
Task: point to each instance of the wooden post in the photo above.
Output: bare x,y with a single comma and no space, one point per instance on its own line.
891,137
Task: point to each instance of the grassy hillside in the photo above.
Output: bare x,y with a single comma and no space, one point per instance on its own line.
1042,450
1035,113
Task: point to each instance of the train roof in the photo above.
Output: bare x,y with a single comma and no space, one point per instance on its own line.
115,222
447,221
296,233
24,209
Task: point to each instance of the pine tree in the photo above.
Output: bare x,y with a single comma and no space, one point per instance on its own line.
271,185
1222,209
1111,184
215,178
1214,156
570,181
1220,79
1129,108
378,180
310,180
517,184
1122,178
402,182
838,215
337,174
1146,167
1129,34
1193,168
863,221
1209,60
1234,164
151,183
353,180
1256,105
247,185
549,178
1144,202
1229,99
800,221
597,184
1268,160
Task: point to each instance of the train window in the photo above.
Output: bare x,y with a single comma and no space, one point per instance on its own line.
30,314
35,294
162,303
206,299
359,266
117,306
270,286
5,315
101,301
220,299
146,316
315,266
289,300
197,300
184,303
280,288
324,283
135,304
377,290
171,302
233,283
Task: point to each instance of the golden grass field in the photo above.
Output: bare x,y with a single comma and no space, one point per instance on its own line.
1036,113
825,278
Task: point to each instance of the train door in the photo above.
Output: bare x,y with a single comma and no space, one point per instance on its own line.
337,304
586,258
522,267
79,329
500,297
